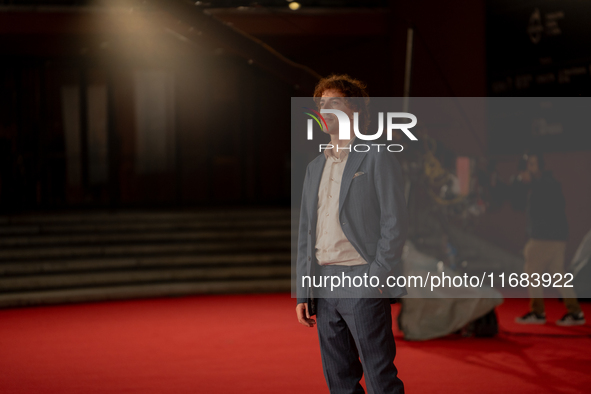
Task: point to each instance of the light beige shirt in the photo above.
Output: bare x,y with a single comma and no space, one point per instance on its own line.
332,246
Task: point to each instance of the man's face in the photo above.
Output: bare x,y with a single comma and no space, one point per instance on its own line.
334,99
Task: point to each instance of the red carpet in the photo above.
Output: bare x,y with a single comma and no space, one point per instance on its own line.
253,344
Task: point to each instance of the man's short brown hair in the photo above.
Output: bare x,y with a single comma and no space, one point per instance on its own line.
354,91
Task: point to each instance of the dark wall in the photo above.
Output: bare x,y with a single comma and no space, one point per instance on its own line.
229,128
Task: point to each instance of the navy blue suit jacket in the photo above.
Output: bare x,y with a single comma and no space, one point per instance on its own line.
372,213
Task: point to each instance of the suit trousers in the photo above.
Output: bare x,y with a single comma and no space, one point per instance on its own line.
541,257
356,338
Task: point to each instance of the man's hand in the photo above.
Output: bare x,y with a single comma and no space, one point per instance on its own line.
304,315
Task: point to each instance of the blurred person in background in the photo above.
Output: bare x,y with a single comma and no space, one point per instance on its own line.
540,194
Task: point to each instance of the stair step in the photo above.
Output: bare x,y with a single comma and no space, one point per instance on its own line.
111,228
142,237
54,266
143,291
12,284
122,217
130,250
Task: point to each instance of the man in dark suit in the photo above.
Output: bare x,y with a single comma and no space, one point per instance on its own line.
353,222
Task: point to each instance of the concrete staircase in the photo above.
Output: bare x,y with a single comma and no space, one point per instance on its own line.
60,258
